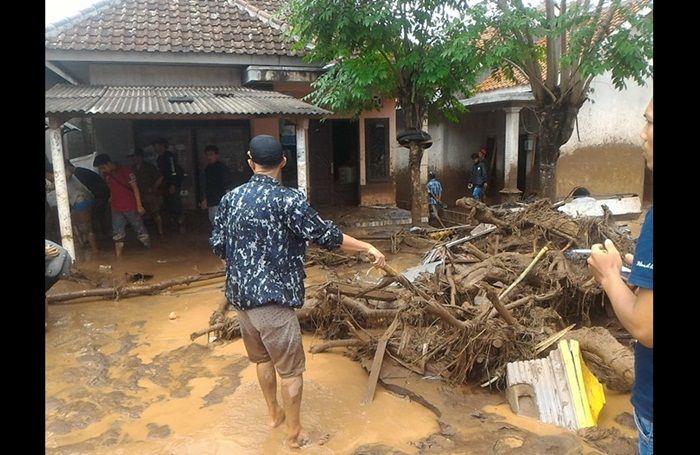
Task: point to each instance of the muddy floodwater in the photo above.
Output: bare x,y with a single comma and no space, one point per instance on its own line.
124,378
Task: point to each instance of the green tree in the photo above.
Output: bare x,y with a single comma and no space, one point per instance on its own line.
560,47
422,53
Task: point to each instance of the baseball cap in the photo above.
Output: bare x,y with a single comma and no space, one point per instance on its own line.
265,150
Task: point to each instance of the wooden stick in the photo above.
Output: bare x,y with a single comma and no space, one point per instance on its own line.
505,314
433,307
471,248
525,272
378,360
524,300
453,287
211,328
130,291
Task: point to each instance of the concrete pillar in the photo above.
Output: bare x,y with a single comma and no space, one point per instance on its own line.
59,176
510,168
302,132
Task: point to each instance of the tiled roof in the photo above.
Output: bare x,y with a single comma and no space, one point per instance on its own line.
186,26
269,6
159,101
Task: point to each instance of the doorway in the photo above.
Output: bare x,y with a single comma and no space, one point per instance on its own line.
334,162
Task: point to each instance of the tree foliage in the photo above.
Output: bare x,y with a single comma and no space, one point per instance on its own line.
420,52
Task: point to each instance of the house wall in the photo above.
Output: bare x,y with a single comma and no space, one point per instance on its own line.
163,75
114,137
450,155
269,126
380,193
605,157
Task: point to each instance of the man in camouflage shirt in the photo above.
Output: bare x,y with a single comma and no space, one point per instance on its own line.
261,230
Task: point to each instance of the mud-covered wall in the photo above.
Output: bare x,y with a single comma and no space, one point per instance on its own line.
605,155
453,145
602,169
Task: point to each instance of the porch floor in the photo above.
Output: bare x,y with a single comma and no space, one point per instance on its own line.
353,216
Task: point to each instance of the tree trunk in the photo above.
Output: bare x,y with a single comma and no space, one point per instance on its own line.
417,192
548,181
556,126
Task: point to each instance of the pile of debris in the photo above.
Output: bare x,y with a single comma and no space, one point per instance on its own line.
504,292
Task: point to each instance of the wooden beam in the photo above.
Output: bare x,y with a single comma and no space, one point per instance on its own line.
378,360
61,73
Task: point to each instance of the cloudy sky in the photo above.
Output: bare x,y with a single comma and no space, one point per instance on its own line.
59,9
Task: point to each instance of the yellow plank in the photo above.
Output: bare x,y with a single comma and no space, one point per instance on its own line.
570,370
595,392
576,356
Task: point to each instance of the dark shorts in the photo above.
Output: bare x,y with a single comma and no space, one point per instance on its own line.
272,333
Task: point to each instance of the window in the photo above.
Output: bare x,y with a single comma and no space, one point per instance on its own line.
377,150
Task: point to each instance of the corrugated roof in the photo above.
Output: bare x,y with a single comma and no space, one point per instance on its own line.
186,26
157,101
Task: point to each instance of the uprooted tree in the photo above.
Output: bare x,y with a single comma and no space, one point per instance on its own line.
422,53
559,48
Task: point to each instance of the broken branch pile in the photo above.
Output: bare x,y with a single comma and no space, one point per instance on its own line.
495,299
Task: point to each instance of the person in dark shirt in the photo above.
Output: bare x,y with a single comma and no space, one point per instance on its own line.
479,177
634,306
261,230
217,181
173,176
100,209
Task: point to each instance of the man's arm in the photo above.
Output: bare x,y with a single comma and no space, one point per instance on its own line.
351,244
137,193
633,309
307,224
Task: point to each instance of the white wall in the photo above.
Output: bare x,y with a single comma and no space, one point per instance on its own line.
611,116
163,75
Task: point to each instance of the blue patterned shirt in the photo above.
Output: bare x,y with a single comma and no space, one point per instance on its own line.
261,230
434,188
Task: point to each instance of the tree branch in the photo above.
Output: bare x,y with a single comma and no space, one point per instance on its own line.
537,78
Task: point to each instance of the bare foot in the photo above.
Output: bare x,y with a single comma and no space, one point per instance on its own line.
298,441
278,418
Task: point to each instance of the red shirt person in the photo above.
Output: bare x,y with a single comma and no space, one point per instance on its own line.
125,201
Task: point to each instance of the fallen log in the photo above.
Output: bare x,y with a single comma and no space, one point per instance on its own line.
362,308
317,348
480,212
351,291
610,361
119,292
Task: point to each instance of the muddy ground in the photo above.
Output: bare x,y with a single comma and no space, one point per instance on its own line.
124,378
